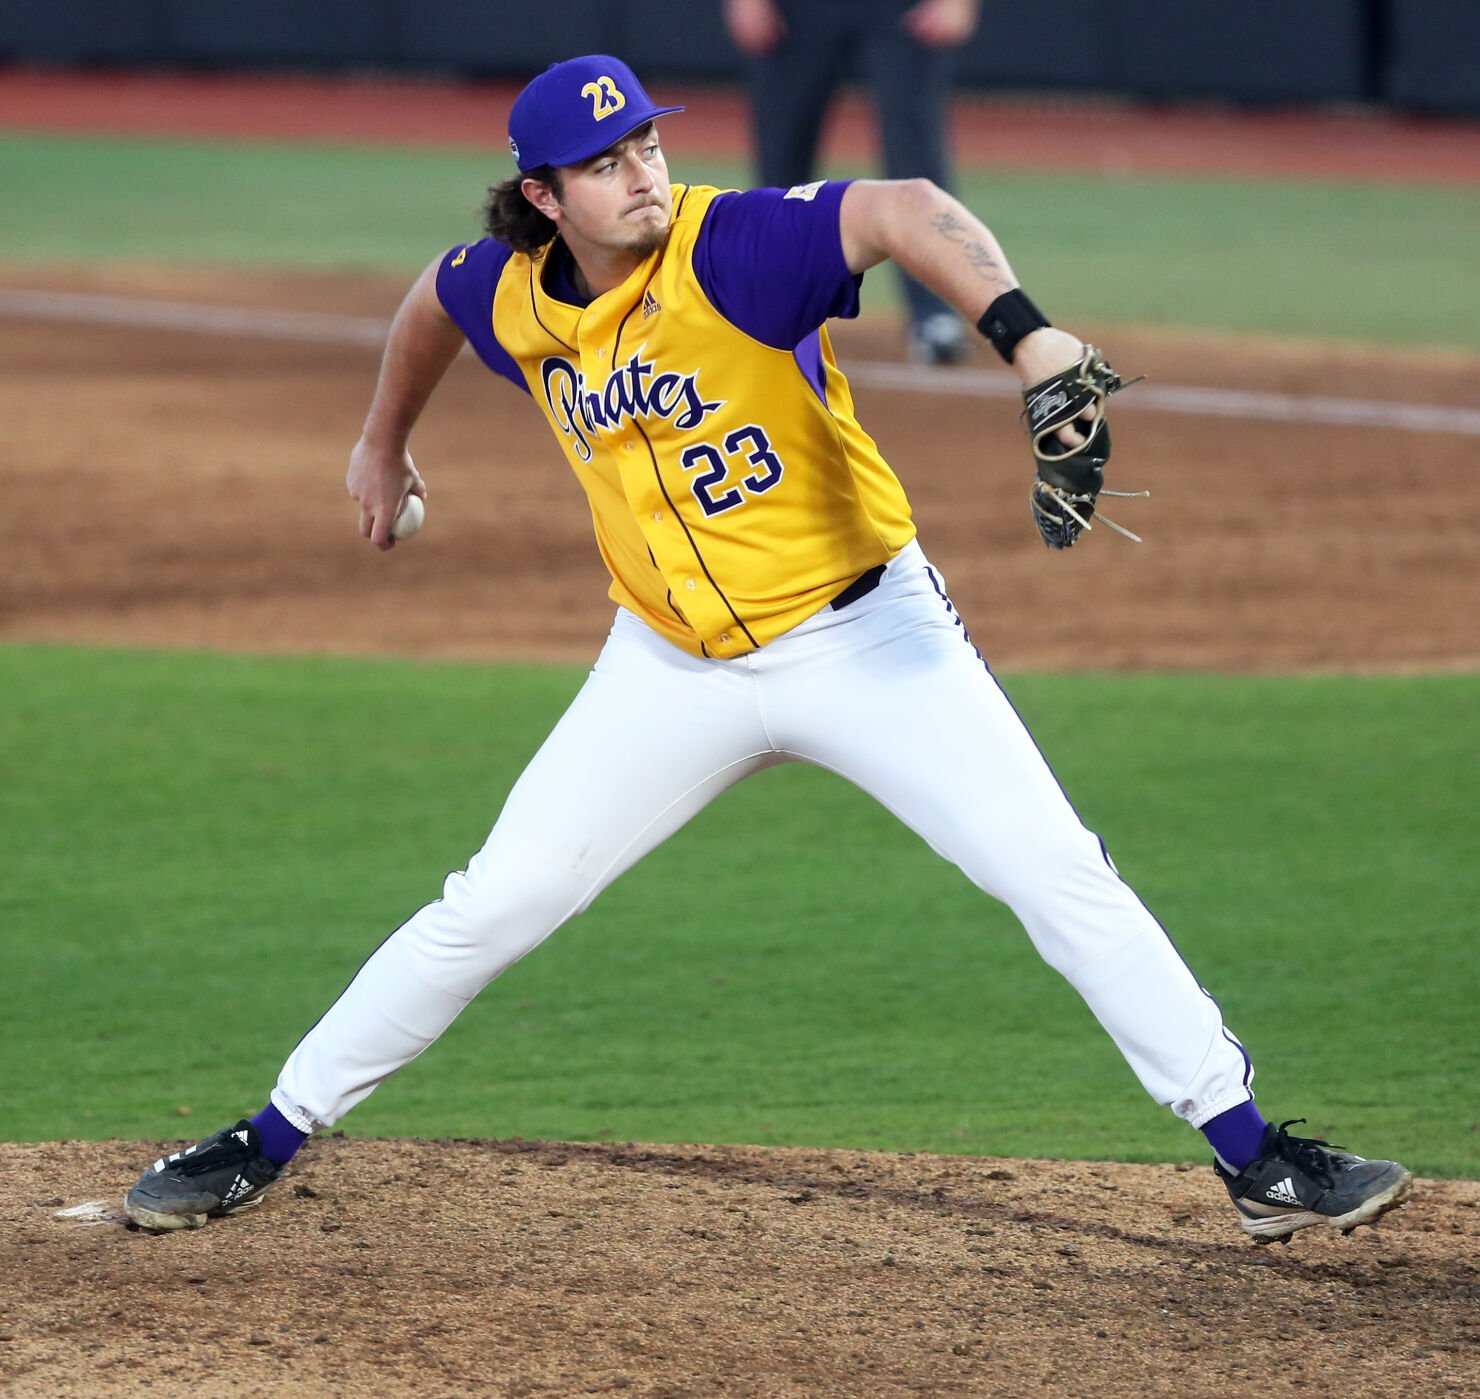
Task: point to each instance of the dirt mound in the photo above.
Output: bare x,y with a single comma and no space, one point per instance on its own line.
513,1268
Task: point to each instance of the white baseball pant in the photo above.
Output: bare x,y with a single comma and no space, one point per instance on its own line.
889,693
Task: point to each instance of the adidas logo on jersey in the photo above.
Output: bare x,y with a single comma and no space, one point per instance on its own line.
1283,1193
650,305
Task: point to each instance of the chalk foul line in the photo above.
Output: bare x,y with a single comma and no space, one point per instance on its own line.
328,328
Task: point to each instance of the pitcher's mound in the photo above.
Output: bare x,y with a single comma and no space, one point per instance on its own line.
387,1268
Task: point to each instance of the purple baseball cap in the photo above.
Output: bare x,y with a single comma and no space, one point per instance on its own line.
576,109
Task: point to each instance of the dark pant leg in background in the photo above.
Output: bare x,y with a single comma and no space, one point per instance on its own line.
791,87
911,90
910,87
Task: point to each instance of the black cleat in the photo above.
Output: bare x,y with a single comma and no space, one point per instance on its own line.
221,1175
1299,1181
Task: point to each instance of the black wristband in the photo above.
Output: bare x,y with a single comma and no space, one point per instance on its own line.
1010,317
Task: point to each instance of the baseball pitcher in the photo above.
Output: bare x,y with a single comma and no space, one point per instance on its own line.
772,605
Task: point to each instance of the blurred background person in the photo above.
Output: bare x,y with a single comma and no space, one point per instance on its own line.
798,51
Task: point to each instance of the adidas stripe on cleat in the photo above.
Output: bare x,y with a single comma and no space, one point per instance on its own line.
1300,1181
1284,1192
222,1175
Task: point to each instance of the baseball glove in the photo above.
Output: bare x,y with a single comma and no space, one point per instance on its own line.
1070,480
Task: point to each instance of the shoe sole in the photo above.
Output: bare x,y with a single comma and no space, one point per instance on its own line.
162,1222
1281,1226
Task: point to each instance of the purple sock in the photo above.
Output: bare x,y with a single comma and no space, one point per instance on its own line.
280,1138
1236,1135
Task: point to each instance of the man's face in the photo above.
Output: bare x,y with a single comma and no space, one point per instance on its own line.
619,201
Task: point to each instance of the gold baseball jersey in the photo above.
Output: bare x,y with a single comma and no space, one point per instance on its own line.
699,403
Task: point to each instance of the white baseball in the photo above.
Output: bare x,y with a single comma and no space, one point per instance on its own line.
413,515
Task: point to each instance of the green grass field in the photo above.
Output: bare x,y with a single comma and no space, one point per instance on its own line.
200,850
1384,264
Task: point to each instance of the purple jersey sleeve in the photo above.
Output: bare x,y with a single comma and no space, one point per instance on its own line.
771,261
466,280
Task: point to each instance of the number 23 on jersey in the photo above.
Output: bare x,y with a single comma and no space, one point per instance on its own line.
746,447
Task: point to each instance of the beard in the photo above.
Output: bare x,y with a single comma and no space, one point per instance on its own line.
627,238
650,235
649,241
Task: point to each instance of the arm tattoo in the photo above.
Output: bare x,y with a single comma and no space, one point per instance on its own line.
954,231
949,224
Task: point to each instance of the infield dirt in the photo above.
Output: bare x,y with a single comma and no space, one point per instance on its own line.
517,1268
173,488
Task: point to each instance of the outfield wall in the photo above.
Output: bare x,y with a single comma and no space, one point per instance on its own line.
1414,55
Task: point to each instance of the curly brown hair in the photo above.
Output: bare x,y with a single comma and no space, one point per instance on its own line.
512,219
